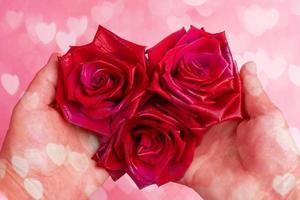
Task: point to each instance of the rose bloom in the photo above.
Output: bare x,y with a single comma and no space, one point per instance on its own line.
150,115
194,70
99,80
151,147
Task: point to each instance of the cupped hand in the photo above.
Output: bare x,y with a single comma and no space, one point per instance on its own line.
255,158
43,156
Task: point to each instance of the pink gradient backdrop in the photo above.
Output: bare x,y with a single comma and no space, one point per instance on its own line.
266,31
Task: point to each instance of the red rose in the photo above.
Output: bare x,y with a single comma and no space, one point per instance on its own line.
101,79
151,147
195,70
149,128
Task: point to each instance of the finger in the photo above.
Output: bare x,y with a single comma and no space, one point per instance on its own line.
256,101
41,90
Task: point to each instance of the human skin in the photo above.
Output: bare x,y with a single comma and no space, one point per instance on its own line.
44,157
255,158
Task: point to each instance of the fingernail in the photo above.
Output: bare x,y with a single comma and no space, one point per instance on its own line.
251,68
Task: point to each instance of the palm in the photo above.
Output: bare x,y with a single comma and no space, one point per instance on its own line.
64,149
51,149
239,159
250,159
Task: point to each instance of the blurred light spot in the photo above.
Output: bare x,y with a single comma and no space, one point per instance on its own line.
14,18
294,74
257,20
194,2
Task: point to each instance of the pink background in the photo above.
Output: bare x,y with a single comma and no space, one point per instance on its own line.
266,31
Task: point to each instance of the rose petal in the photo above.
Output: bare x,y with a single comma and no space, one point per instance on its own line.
176,169
113,45
113,79
102,110
73,115
72,83
85,53
194,34
106,157
65,64
156,53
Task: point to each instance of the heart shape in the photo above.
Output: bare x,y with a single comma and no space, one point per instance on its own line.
20,165
14,18
77,26
273,66
65,40
34,188
285,139
56,153
90,142
45,32
78,161
294,74
257,20
277,65
102,13
10,83
283,184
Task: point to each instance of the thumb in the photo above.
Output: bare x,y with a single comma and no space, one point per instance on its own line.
42,88
256,100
